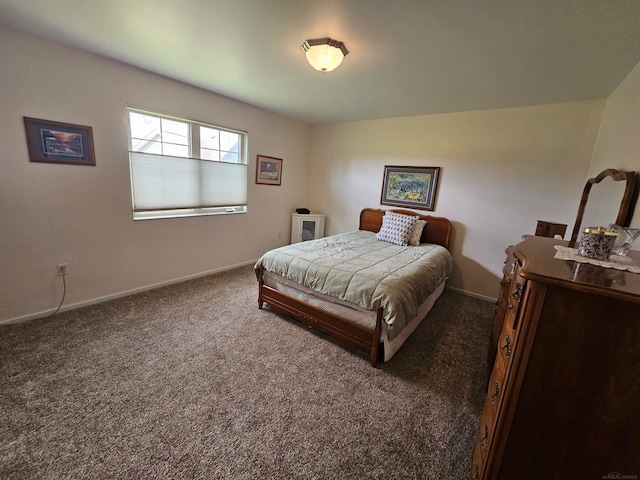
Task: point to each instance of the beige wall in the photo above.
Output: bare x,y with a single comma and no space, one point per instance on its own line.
618,143
502,170
51,214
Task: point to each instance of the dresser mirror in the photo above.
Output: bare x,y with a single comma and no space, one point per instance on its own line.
606,199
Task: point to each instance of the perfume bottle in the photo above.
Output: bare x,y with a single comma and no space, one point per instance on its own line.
626,237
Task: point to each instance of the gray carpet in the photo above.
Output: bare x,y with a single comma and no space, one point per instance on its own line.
193,381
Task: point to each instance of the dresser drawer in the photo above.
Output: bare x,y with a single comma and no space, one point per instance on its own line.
495,386
478,462
485,433
515,297
506,345
498,319
505,286
511,295
490,414
480,451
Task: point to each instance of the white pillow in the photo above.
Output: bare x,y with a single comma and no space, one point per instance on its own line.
416,232
395,228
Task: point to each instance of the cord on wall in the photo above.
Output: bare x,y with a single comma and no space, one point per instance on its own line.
64,294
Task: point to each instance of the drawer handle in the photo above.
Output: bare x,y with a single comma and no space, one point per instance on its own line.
517,295
496,394
506,348
476,472
484,442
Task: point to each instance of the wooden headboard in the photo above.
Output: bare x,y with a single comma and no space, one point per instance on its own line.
438,229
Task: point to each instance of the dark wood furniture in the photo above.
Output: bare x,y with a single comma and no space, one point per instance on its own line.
438,231
563,399
629,195
501,305
550,229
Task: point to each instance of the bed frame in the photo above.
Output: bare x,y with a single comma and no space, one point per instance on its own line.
438,231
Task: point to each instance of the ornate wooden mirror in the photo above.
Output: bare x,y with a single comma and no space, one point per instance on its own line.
609,202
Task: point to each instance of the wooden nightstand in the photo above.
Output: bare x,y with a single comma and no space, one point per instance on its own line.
550,229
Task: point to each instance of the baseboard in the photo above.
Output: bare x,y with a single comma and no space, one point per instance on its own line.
73,306
471,294
93,301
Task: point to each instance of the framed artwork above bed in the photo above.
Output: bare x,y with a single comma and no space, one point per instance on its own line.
411,187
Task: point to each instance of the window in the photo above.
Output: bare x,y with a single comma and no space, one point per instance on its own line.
182,168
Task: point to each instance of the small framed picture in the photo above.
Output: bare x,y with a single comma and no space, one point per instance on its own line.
412,187
57,142
269,170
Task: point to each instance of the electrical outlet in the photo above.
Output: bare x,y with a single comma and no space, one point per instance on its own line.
62,269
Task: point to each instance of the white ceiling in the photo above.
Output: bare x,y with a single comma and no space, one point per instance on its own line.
406,57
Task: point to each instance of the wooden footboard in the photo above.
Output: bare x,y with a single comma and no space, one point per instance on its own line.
339,328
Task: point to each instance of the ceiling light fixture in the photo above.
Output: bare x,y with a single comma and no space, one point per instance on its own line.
324,54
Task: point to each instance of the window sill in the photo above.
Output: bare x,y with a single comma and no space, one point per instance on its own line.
188,212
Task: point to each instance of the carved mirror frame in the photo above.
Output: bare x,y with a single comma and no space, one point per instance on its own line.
619,176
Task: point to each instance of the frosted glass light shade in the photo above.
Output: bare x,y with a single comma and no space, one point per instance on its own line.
324,54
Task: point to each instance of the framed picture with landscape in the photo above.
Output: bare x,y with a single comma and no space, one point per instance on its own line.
57,142
411,187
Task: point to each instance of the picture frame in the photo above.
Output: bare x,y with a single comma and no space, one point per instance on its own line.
268,170
411,187
58,142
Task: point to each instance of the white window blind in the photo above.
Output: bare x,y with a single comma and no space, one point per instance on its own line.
166,185
164,182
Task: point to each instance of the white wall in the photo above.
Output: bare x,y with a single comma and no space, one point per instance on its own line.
618,143
81,215
502,170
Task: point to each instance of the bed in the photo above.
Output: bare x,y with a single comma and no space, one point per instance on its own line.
363,291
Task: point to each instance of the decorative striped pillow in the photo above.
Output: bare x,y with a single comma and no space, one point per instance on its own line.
395,228
416,232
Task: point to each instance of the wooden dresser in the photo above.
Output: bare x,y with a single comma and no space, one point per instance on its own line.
563,398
